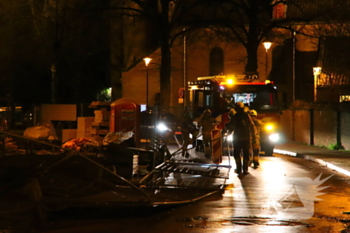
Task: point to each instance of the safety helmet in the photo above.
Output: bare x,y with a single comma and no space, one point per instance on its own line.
207,111
253,112
240,104
232,112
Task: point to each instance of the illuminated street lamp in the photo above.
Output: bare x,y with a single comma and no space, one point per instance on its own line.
147,61
267,46
317,71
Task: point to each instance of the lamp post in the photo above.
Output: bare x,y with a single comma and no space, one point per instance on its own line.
53,84
317,71
293,65
147,61
267,46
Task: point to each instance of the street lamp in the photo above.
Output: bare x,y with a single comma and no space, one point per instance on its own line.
147,61
267,46
317,71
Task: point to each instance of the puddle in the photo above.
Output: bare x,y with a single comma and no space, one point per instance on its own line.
243,223
343,220
201,221
261,221
184,219
198,222
197,226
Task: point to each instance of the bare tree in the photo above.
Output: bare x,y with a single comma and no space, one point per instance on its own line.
250,22
71,33
167,19
332,33
247,21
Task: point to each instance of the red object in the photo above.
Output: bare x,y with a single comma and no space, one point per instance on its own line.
279,11
181,92
248,83
271,99
224,120
125,116
216,146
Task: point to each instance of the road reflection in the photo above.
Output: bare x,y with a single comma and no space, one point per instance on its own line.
259,200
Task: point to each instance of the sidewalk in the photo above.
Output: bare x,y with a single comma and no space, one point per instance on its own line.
335,160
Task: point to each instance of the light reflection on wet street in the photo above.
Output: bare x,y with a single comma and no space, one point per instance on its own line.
279,196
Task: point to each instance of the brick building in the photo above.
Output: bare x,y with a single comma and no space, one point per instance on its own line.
289,62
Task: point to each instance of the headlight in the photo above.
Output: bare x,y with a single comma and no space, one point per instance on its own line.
229,137
269,127
162,127
274,137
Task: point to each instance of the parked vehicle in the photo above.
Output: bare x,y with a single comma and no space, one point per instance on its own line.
220,93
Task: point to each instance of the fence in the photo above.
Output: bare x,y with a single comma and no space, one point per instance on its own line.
319,127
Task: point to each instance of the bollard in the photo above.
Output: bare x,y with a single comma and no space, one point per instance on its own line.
135,165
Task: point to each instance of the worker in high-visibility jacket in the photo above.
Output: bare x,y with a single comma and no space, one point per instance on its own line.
242,127
256,138
207,124
187,128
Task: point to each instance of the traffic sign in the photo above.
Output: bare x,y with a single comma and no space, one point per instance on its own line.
181,92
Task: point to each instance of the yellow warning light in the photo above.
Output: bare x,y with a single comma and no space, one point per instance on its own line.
269,127
267,81
229,186
230,81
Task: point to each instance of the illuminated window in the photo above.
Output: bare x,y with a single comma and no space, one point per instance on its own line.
344,98
279,11
143,107
190,99
208,100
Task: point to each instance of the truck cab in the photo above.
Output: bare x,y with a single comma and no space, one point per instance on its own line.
220,93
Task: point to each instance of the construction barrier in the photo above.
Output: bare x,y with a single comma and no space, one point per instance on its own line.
216,146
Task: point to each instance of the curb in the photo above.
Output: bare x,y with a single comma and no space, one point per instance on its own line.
311,158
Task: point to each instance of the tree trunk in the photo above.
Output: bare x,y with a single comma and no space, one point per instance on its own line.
117,65
252,53
252,40
165,66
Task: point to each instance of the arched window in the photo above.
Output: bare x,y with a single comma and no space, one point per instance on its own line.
279,63
216,61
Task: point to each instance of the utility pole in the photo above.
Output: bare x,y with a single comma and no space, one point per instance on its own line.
185,71
53,84
293,66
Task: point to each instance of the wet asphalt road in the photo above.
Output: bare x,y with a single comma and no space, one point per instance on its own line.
279,196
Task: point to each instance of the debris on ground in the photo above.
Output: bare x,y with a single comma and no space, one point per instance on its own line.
117,137
10,145
82,145
43,131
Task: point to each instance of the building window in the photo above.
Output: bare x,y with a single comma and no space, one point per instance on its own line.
216,61
335,60
344,98
279,11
